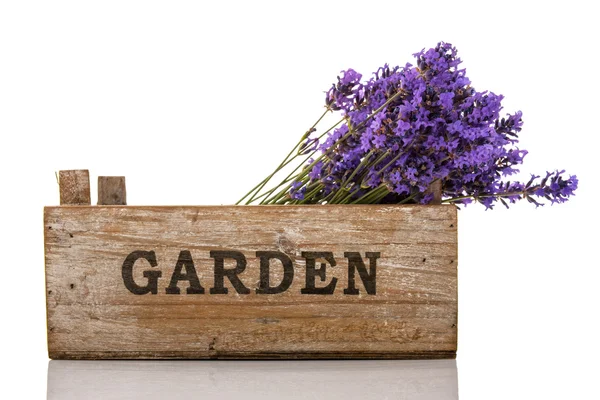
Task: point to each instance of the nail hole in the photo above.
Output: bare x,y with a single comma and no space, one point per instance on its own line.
424,259
49,228
451,261
451,225
70,234
49,291
72,285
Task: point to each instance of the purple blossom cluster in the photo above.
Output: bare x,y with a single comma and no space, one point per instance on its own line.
408,127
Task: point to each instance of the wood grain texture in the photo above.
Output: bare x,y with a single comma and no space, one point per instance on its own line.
112,191
74,187
92,314
436,190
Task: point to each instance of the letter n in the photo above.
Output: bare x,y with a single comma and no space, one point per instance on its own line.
355,262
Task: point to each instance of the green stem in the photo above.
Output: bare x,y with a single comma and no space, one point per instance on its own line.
269,198
350,131
475,197
255,190
346,199
390,163
340,193
367,197
362,164
287,178
409,198
311,195
273,199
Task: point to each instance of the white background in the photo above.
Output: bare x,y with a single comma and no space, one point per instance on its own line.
195,102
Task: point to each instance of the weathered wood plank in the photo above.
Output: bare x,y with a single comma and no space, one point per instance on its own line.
410,311
436,190
74,187
112,191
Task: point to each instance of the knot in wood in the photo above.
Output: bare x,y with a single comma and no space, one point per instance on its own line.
286,246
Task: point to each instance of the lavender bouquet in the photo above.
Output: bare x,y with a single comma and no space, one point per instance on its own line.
404,132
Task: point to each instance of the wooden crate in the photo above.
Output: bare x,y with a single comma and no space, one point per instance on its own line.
195,282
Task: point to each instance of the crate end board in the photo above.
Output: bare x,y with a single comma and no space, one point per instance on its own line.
276,282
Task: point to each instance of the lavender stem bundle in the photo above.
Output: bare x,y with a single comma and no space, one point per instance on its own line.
404,129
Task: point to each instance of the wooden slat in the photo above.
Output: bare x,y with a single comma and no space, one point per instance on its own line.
436,189
74,187
92,313
111,190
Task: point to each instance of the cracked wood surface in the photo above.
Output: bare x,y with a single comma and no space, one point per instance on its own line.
91,314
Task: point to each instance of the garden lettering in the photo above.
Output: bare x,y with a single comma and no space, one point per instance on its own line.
185,270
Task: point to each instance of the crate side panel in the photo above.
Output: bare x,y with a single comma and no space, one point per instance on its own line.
92,314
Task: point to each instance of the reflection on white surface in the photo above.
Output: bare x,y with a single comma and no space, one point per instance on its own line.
385,379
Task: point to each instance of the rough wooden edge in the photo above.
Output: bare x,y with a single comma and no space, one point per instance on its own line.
74,186
188,355
111,190
46,288
266,207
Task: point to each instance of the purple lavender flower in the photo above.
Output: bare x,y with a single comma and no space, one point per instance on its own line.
379,141
297,191
445,99
315,172
409,126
